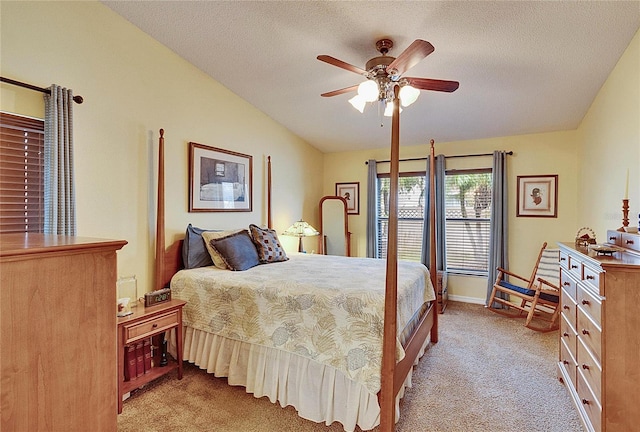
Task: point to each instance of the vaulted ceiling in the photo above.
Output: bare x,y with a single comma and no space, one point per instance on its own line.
523,66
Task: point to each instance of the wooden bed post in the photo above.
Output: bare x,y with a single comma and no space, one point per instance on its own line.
160,244
269,192
433,271
387,396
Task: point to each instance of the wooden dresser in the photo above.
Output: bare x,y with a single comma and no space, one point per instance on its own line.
58,333
600,333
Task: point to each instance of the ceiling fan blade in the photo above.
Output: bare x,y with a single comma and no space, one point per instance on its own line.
433,84
341,91
335,62
408,58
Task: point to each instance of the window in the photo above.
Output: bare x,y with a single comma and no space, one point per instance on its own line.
21,174
467,217
410,215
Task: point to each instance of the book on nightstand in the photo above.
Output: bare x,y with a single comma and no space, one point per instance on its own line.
130,370
139,359
146,349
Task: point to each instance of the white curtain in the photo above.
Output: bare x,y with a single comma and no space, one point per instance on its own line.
498,254
59,189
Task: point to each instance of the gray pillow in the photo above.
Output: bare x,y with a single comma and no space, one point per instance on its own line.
194,251
237,250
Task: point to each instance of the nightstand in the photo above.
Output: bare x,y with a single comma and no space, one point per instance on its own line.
144,324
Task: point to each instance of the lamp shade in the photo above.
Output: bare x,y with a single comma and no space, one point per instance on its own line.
301,229
388,110
369,91
358,102
408,95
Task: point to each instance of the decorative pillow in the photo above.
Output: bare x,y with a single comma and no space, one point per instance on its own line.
267,243
237,251
194,251
214,235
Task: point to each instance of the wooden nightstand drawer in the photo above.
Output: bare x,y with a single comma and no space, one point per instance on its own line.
152,326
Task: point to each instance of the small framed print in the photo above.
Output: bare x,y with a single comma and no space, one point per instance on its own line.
219,180
537,196
351,193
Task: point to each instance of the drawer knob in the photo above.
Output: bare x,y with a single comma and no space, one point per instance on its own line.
154,325
629,242
585,402
585,331
565,362
585,302
566,307
574,266
563,259
612,238
590,277
584,366
565,334
566,283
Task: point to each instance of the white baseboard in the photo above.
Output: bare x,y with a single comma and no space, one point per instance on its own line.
465,299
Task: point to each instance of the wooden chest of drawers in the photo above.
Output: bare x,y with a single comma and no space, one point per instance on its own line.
599,338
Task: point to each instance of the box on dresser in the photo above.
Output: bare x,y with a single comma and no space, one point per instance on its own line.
599,338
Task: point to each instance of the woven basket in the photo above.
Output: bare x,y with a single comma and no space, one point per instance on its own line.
585,236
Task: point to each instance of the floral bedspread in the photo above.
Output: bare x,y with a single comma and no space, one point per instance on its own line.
327,308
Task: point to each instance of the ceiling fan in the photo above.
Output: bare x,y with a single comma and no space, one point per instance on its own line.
384,72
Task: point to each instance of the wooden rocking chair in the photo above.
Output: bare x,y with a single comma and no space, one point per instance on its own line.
539,295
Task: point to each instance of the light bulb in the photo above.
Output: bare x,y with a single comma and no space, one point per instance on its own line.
369,90
388,111
408,95
358,102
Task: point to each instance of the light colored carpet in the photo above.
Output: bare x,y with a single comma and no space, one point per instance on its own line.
487,373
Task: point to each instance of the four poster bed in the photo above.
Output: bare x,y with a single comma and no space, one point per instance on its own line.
338,345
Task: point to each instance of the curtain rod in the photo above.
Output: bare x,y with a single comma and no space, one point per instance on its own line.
77,99
446,157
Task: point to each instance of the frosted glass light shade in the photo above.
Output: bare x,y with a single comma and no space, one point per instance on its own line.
388,111
358,102
408,95
368,90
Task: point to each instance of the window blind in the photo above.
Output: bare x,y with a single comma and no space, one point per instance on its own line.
21,174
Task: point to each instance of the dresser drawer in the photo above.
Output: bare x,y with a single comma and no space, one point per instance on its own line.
568,285
568,335
592,278
153,325
568,362
591,305
591,370
564,260
590,333
614,237
589,403
569,310
575,267
630,241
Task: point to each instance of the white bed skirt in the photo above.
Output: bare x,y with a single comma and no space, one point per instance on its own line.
318,392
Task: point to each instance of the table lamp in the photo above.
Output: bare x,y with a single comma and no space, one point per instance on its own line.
301,229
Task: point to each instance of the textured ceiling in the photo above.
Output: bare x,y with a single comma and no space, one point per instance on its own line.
523,67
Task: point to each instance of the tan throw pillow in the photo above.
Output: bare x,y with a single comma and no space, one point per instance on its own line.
217,259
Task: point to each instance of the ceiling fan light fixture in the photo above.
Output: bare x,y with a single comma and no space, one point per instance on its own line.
369,90
408,95
358,103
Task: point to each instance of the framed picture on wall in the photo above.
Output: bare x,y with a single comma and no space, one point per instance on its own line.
219,180
537,196
351,193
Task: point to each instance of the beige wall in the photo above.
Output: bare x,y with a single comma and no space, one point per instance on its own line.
591,163
132,87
